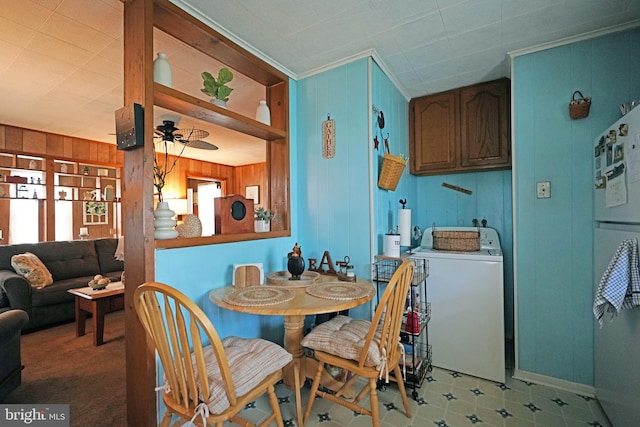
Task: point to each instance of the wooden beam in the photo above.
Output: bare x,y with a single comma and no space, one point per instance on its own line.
138,212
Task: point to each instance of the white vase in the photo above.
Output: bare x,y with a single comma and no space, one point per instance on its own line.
162,70
219,102
262,226
263,114
164,222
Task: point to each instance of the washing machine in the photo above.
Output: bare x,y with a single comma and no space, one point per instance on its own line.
466,292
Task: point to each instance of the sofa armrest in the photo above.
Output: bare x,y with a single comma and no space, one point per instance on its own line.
17,290
11,322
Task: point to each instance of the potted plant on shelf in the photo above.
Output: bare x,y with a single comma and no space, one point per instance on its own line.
263,219
217,88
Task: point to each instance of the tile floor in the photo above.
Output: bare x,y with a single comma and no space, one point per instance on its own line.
450,399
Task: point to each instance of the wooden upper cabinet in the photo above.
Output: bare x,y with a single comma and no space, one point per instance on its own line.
434,125
461,130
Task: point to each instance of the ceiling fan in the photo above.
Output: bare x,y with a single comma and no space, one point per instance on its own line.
168,132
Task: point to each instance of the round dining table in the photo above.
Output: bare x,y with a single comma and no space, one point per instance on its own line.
294,311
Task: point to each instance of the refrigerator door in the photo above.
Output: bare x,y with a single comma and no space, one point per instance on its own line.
618,145
617,343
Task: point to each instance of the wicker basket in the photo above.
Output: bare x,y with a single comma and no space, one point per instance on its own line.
392,167
462,241
579,107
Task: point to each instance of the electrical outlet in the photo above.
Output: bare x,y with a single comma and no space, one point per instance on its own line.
543,190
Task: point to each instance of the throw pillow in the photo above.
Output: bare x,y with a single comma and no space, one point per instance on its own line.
31,268
119,255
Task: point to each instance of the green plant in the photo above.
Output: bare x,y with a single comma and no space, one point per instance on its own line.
96,208
263,214
217,88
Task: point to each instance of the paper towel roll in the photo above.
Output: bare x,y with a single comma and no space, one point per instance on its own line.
404,226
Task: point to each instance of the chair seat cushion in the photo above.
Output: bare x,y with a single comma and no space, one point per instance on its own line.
344,337
250,362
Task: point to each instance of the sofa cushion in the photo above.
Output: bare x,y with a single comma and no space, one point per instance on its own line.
57,292
31,268
106,250
64,259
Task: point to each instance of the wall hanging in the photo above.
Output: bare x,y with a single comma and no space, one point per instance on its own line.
328,138
579,106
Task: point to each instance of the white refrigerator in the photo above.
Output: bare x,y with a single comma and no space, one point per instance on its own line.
617,216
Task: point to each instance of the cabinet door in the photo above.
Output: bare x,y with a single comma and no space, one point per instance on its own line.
433,133
485,139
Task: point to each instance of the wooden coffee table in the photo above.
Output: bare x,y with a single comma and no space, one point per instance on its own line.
98,303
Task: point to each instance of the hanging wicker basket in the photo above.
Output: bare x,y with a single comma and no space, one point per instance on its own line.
392,168
579,106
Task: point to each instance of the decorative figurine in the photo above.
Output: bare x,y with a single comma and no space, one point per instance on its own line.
295,265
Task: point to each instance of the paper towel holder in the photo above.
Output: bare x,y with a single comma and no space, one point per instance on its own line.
404,225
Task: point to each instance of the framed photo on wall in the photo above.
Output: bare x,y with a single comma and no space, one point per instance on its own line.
95,213
252,192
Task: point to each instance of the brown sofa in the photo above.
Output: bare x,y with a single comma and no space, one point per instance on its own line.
71,263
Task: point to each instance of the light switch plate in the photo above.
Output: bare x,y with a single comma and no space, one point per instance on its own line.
543,190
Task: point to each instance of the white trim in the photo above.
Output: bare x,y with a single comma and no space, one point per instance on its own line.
372,182
360,55
228,34
577,388
516,336
390,76
574,39
370,148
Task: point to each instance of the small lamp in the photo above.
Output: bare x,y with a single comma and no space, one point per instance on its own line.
84,232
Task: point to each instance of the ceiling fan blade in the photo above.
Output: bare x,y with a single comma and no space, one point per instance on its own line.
201,145
188,135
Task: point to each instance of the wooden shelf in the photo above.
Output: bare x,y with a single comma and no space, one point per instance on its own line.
188,105
184,27
218,238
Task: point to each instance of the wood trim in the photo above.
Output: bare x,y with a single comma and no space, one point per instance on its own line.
169,18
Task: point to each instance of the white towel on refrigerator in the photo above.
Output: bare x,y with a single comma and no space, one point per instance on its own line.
619,287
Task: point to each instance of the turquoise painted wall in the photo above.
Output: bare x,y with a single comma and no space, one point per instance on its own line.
333,196
197,270
386,97
491,199
554,236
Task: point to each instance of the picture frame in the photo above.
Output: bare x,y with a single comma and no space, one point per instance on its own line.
95,213
252,192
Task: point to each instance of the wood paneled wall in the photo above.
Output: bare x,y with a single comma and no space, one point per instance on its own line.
51,146
27,141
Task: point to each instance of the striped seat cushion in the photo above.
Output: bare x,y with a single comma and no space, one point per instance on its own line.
344,337
250,362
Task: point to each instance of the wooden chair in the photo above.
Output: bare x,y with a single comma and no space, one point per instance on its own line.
248,275
207,383
366,349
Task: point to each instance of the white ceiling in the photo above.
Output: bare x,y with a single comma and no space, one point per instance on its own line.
61,68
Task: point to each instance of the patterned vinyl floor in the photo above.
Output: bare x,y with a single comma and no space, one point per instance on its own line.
450,399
